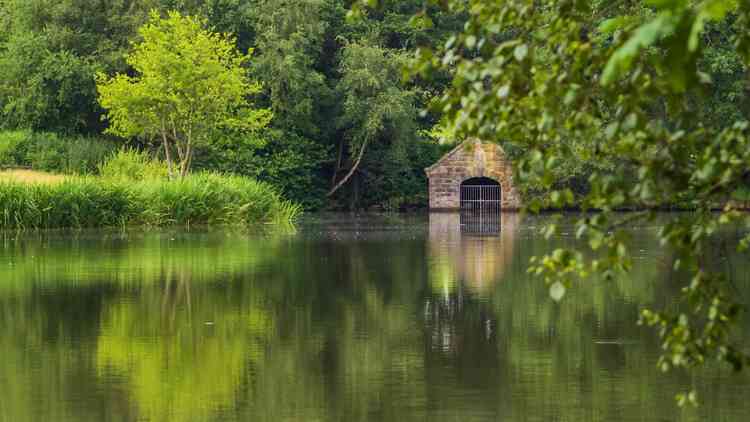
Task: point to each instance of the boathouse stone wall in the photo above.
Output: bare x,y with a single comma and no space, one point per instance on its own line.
468,160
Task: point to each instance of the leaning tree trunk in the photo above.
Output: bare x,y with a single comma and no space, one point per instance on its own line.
188,157
186,161
351,171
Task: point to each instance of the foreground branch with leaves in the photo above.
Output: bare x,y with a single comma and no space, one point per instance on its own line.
621,83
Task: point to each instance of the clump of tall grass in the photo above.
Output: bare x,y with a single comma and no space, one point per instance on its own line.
210,198
200,199
130,164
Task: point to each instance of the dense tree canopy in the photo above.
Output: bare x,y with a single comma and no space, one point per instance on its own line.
49,57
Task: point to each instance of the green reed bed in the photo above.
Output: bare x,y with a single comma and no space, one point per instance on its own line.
201,199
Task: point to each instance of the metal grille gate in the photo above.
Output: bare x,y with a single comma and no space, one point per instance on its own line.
478,197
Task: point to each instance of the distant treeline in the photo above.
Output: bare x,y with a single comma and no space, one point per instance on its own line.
335,88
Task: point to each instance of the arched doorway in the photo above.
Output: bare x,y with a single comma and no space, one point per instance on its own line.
479,193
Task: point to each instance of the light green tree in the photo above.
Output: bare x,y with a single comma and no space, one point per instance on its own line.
189,84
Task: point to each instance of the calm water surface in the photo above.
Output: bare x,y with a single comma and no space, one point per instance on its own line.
351,318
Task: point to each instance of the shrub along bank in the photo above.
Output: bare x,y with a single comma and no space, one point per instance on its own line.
200,199
51,152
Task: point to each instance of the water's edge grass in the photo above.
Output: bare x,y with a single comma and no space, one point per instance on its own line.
90,202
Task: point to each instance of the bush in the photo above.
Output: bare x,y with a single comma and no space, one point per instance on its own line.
202,199
74,155
292,164
129,164
52,152
9,142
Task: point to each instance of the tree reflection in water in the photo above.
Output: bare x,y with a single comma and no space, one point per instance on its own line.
355,318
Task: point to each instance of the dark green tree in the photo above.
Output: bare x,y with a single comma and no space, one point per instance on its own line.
376,106
290,38
50,54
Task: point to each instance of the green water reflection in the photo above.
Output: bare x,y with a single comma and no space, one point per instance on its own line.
351,318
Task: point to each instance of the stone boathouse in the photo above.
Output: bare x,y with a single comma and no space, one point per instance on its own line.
473,175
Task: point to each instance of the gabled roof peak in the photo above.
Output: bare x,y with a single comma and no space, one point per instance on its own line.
458,147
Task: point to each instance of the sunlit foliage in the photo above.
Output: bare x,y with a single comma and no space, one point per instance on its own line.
189,84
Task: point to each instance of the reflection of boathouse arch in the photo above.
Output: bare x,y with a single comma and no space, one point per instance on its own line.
473,248
481,222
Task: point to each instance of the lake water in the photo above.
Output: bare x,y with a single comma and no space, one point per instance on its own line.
382,318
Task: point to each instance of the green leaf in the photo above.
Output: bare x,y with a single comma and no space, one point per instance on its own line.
503,92
555,198
611,130
557,291
645,36
614,24
520,52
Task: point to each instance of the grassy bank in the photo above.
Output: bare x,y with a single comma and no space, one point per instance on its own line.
201,199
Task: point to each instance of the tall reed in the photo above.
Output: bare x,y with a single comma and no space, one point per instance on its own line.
201,199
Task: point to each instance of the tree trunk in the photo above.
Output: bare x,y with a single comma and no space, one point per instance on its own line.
351,171
185,165
167,154
338,161
187,157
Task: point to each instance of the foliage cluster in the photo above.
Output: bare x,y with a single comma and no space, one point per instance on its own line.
289,162
49,52
199,199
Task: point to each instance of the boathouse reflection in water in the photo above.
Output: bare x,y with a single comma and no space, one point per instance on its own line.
469,253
